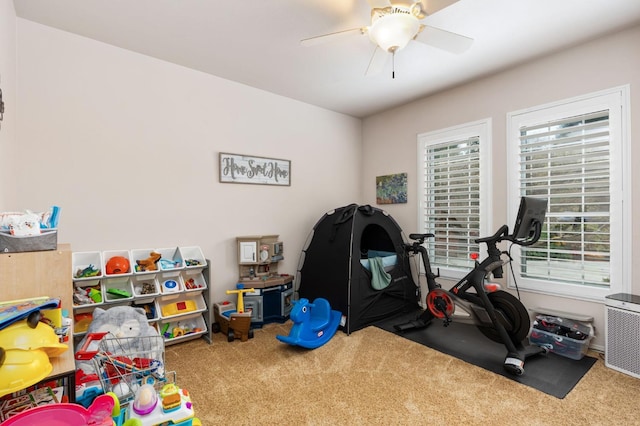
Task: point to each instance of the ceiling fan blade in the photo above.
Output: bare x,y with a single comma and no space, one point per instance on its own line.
377,62
325,38
379,3
443,39
432,6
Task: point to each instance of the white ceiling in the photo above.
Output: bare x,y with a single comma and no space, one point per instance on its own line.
257,42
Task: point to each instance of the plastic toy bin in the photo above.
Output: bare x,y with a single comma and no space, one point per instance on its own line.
150,308
170,284
172,255
183,305
145,285
108,255
141,254
181,328
117,289
86,262
193,259
193,282
561,345
87,293
82,317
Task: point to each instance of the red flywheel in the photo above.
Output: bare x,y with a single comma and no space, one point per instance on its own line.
439,302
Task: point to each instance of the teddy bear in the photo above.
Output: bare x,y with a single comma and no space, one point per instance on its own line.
150,263
128,332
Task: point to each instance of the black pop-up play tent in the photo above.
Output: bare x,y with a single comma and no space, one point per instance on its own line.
355,259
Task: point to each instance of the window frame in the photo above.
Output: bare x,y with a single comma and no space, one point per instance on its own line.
616,100
483,130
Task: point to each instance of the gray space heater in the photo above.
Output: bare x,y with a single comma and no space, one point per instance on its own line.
622,325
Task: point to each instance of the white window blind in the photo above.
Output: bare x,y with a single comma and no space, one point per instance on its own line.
567,161
454,193
574,153
452,201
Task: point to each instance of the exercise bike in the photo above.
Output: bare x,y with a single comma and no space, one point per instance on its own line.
499,315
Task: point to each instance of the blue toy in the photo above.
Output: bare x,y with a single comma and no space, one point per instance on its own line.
314,324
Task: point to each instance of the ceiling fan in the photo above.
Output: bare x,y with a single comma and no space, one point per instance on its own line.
394,24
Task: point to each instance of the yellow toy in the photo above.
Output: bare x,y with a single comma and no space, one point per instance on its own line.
240,291
181,307
234,322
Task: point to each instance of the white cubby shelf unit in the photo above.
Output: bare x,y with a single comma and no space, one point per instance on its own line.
175,296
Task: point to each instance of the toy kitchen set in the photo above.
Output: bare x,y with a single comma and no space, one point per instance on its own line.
271,300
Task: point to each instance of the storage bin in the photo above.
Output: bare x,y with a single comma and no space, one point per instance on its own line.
170,284
182,328
82,317
563,326
193,282
173,256
561,345
180,306
142,254
193,259
108,255
47,240
117,289
150,307
88,293
86,265
145,285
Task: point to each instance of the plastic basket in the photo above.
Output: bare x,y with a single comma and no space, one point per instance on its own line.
125,364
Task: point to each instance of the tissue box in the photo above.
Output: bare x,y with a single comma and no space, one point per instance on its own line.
47,240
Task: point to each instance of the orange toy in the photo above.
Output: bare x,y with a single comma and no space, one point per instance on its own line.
150,263
117,265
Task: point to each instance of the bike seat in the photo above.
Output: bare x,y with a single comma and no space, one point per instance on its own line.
420,237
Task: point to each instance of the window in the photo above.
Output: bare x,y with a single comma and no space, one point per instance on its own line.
572,153
454,193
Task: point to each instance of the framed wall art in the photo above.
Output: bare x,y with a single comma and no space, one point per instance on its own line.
391,189
238,168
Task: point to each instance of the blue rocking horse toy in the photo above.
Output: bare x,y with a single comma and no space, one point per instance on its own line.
314,324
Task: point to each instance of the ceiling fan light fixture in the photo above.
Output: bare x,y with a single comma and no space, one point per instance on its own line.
393,31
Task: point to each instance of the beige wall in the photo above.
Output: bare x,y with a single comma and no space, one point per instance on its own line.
390,138
8,86
128,146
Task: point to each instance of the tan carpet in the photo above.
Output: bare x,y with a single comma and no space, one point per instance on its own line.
375,377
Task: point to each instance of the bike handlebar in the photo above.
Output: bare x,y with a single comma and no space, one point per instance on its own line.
497,237
503,235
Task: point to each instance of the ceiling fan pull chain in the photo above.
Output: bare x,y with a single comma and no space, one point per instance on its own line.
393,65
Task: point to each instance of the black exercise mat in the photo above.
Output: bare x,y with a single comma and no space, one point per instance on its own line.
551,373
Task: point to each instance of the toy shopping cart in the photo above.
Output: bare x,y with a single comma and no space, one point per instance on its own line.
125,364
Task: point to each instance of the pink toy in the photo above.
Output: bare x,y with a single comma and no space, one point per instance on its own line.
65,414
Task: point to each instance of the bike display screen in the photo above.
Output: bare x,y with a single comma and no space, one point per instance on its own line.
531,212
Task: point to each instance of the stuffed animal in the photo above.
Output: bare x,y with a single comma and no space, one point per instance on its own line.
150,263
123,323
